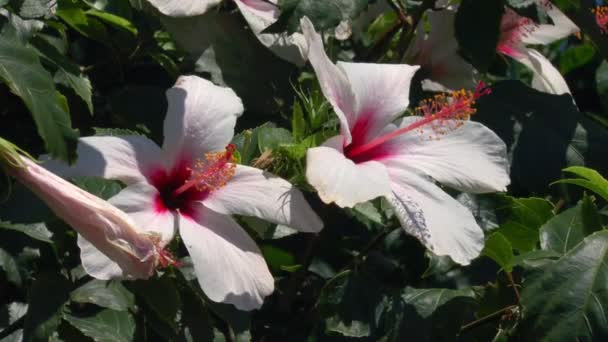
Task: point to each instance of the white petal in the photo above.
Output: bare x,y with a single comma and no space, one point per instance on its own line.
137,201
382,92
129,159
200,118
261,14
545,34
108,228
469,158
183,8
229,266
253,192
333,80
546,77
338,179
442,224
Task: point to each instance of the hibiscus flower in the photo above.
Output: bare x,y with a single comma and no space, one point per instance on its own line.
259,14
192,185
436,51
378,154
516,32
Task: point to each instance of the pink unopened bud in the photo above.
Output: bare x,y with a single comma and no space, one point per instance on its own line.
106,227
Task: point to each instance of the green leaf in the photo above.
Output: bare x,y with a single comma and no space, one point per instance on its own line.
589,179
477,26
566,230
499,249
298,123
277,258
269,138
46,299
10,267
20,69
105,326
576,57
77,18
566,300
525,216
67,73
107,294
36,231
544,134
114,20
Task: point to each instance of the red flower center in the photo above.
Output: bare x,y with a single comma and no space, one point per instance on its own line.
190,182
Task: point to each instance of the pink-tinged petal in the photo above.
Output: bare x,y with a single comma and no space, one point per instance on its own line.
137,201
340,180
545,34
546,77
109,229
183,8
140,202
200,118
261,14
442,224
333,81
253,192
382,92
129,159
470,158
229,266
437,53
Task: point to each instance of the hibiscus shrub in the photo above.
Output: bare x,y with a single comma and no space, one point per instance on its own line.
303,170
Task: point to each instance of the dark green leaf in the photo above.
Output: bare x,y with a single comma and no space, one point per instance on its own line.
46,299
525,216
477,28
544,133
105,326
576,57
499,249
20,69
111,295
161,296
426,314
67,72
566,230
566,300
324,15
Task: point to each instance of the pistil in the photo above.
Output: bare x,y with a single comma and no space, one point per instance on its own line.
439,111
210,173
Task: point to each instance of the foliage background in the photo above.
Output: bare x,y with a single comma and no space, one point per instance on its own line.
102,66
